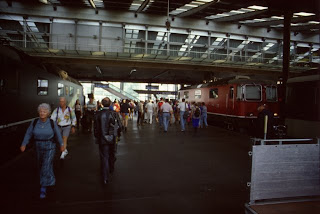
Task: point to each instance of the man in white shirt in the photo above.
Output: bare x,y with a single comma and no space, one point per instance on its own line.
166,110
149,110
182,108
66,121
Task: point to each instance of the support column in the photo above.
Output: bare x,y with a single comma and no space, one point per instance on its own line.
286,59
209,45
92,87
51,33
100,35
168,43
294,53
246,51
310,53
189,33
75,34
146,41
149,89
228,47
121,86
123,37
279,52
24,32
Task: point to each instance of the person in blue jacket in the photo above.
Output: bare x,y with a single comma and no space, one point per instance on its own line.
45,133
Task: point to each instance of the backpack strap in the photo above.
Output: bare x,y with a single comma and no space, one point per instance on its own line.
57,115
70,113
52,124
35,122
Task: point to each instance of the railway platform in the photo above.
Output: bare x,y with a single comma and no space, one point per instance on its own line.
156,172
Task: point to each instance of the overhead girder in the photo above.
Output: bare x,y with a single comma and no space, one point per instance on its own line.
125,18
239,16
197,9
280,21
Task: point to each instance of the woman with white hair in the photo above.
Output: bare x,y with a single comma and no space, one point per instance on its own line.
44,133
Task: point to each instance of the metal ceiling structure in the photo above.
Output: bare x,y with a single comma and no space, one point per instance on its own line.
177,41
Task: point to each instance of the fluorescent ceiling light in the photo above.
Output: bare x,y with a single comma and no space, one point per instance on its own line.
313,22
190,6
304,14
255,7
44,1
277,17
236,11
260,20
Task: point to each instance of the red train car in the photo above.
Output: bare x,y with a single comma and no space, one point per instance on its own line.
234,100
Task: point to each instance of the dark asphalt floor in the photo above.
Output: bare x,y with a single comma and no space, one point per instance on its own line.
156,172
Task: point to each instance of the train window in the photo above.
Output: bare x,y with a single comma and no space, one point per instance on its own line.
66,90
186,94
71,91
253,92
231,92
78,91
178,96
240,92
197,94
213,93
271,93
43,87
60,89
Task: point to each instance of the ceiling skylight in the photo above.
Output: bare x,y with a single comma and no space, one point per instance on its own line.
136,4
190,6
237,12
94,3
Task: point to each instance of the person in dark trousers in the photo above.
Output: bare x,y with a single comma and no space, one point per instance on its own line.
78,112
124,110
104,133
262,112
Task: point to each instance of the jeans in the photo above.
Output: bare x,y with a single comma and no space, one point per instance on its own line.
107,159
166,120
182,121
160,115
203,120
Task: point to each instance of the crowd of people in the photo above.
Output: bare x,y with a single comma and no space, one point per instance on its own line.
107,120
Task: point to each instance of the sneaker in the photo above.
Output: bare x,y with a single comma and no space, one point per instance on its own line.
63,155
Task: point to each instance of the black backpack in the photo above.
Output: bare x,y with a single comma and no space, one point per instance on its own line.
197,112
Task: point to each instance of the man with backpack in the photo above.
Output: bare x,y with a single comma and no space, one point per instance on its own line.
105,131
66,120
196,114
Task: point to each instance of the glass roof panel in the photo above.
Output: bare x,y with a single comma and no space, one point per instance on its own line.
189,6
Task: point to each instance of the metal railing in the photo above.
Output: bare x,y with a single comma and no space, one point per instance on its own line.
235,56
